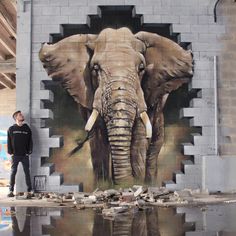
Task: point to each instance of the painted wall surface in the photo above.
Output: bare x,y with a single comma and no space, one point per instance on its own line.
7,107
69,123
5,159
194,22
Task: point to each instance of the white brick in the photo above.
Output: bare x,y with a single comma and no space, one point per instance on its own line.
51,11
131,2
70,11
42,113
59,2
188,19
181,28
38,3
152,19
47,20
81,19
200,28
48,29
78,3
162,10
189,37
170,19
144,10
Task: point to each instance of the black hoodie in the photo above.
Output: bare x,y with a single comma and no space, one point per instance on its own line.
19,140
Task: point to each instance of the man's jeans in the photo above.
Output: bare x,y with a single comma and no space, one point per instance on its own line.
25,163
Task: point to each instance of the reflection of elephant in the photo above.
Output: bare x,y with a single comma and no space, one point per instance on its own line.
121,82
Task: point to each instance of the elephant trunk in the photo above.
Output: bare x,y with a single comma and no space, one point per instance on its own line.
119,112
119,102
119,136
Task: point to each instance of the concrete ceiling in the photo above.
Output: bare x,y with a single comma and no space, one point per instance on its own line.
8,44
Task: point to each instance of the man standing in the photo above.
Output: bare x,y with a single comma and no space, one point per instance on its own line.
20,145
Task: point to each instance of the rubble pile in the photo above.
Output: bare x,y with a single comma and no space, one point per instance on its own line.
113,202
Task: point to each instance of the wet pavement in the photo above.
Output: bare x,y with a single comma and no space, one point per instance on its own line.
203,221
209,216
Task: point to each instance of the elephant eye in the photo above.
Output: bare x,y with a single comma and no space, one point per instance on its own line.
141,67
96,67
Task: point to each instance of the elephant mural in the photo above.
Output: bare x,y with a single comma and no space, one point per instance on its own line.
121,82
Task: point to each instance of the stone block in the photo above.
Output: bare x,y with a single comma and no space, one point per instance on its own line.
42,113
197,84
151,2
51,11
43,94
161,10
55,179
58,2
38,3
196,112
201,103
201,121
78,3
190,149
152,18
146,10
189,19
47,20
170,19
71,10
131,2
81,19
181,28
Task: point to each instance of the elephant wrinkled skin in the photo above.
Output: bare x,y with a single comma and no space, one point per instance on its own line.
121,82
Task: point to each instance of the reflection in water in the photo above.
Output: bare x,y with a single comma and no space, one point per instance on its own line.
20,221
34,221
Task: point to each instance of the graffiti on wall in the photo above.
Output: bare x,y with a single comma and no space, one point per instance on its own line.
121,82
5,219
5,163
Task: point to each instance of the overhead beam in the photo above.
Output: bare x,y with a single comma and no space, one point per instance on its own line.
13,4
6,81
7,42
6,20
1,83
8,66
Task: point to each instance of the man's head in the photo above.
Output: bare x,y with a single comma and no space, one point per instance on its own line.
18,116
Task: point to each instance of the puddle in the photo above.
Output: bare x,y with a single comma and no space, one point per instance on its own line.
217,220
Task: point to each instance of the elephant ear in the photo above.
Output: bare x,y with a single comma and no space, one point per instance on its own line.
67,61
168,64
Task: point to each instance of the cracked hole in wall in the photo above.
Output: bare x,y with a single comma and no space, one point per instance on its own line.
68,122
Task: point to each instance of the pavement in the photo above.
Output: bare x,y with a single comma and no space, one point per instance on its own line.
195,199
22,201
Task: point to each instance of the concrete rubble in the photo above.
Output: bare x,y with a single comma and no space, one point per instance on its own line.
114,203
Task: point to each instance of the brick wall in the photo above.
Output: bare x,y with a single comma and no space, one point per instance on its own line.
193,19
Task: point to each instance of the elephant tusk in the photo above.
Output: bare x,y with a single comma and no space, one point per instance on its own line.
147,123
91,120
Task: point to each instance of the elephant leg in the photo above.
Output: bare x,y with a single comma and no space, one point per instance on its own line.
139,150
152,222
100,154
139,224
154,147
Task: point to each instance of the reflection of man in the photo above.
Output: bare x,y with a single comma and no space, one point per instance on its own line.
21,221
19,143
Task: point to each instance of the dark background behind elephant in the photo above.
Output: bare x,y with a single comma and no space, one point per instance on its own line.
168,61
79,167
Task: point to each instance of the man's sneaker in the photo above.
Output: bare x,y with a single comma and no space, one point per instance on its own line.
29,195
10,194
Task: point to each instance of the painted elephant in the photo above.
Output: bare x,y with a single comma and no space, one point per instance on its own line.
121,81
